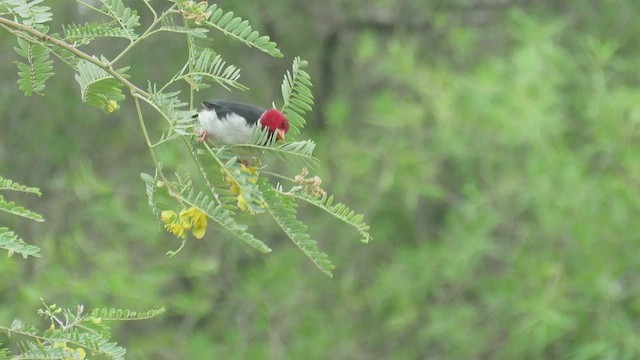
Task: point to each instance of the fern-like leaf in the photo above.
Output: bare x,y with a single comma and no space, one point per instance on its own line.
211,67
283,210
297,96
98,344
340,211
105,314
7,184
240,30
169,25
38,68
173,110
12,208
83,34
126,17
262,140
97,87
29,13
14,244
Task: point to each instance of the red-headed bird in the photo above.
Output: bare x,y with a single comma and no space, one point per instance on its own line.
228,123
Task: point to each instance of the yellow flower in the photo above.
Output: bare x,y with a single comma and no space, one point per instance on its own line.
242,203
192,219
81,353
234,188
111,106
195,220
176,229
167,216
251,170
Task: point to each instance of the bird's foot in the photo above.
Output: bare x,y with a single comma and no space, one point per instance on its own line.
202,135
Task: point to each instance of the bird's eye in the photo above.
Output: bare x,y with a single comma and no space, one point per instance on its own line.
283,125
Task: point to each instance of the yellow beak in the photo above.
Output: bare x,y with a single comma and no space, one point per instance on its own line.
280,134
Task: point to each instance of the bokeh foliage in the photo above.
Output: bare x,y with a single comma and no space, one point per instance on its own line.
494,148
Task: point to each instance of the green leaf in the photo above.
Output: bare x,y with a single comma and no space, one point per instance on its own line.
12,208
29,13
174,111
126,17
105,314
14,244
38,68
297,96
97,87
209,67
7,184
169,25
340,211
240,30
85,33
263,141
283,211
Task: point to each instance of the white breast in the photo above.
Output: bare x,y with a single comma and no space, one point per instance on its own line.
231,129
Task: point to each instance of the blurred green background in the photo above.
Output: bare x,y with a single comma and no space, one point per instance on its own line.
492,146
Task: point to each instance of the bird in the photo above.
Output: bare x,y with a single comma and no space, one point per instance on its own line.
225,122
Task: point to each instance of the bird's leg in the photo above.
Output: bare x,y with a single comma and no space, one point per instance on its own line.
202,135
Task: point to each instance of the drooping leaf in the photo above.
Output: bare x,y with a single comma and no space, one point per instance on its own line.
7,184
97,87
36,70
83,34
208,66
29,12
283,211
339,211
240,30
12,208
297,96
126,17
14,244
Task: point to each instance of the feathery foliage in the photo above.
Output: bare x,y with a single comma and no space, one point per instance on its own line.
36,70
340,211
8,184
83,34
73,334
12,208
14,244
297,96
8,239
125,17
97,87
239,29
29,13
283,211
210,67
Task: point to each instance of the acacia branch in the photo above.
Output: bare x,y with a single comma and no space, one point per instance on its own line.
82,55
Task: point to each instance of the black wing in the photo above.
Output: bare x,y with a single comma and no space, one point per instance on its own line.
223,108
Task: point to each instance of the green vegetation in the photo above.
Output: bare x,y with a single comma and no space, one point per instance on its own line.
491,148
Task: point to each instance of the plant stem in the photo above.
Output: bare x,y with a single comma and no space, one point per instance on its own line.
146,34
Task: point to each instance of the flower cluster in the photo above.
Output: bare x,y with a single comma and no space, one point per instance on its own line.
311,185
234,187
69,352
195,11
111,106
191,219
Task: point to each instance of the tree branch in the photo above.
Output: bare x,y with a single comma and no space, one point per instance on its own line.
82,55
